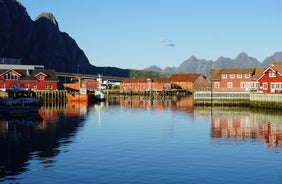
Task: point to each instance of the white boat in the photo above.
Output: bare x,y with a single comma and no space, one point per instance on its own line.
20,101
100,95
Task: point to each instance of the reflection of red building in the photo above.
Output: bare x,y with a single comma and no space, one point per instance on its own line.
183,104
244,125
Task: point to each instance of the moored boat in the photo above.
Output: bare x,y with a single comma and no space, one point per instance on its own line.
20,101
100,95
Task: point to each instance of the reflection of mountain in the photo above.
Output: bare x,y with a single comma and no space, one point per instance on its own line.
182,104
245,124
24,138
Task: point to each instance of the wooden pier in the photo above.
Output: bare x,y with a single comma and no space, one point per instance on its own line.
54,96
165,94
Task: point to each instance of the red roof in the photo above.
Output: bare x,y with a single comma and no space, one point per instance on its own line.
135,80
184,77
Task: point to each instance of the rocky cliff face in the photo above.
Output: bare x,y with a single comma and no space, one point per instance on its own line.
41,42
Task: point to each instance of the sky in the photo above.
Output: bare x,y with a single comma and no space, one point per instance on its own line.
136,34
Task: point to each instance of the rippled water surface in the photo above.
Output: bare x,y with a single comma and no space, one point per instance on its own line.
133,141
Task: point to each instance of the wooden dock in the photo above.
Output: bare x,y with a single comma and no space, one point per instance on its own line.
52,96
164,94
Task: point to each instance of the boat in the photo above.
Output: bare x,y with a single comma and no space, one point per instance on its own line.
100,95
20,101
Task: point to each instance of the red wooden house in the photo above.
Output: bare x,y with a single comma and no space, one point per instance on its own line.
235,79
190,81
136,84
270,80
26,78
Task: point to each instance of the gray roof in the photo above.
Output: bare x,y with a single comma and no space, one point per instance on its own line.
30,75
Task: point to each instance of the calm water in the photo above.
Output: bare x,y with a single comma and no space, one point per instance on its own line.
141,142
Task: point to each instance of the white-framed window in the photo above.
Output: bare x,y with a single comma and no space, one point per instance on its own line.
216,85
46,86
41,77
254,84
276,85
272,74
35,87
229,85
224,76
3,85
239,75
264,85
10,76
232,76
27,86
247,75
242,84
51,86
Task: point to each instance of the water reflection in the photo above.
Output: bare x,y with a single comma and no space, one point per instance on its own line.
182,104
41,137
245,124
38,136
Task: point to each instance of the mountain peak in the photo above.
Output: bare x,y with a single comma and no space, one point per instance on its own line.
242,55
154,68
193,58
48,16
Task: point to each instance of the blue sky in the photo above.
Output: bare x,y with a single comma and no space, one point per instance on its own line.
139,33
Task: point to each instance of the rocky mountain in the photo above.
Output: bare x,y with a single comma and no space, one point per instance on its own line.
195,65
274,58
41,42
154,68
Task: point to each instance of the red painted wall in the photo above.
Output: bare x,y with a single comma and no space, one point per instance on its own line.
266,79
235,84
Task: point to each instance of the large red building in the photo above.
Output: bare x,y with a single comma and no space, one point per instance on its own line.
191,82
270,81
266,80
26,78
234,79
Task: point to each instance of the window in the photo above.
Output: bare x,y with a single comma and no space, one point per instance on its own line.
224,75
254,85
229,84
216,85
27,86
247,75
10,76
242,84
41,77
35,87
264,85
46,86
3,86
51,86
272,74
232,75
276,85
239,75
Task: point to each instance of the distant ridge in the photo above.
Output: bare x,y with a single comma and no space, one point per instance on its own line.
203,66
